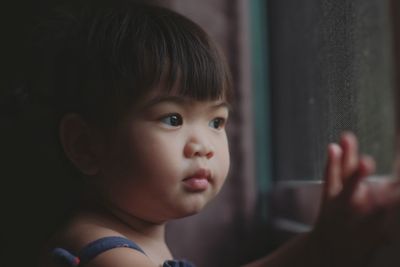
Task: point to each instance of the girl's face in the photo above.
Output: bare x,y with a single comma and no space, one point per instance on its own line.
168,159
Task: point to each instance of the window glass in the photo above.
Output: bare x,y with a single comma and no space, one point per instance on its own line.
331,70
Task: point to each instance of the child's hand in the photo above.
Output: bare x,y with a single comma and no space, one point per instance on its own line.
356,217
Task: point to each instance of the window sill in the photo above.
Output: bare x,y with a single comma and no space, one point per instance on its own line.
295,206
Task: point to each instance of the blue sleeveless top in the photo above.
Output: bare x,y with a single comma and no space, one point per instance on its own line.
101,245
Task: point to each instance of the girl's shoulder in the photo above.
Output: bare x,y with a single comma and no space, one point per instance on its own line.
80,233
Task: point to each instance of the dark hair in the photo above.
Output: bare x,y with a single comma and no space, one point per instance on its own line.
99,57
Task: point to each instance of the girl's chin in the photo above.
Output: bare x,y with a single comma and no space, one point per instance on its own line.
193,209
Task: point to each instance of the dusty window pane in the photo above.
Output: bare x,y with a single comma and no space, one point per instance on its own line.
331,71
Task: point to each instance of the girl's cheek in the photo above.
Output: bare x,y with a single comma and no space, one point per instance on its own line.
224,162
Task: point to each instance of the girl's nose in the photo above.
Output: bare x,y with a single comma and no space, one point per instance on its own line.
197,149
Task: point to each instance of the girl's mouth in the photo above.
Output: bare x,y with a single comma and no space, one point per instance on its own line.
199,181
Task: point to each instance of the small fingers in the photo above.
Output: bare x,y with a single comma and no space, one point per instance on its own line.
366,166
345,170
349,144
333,181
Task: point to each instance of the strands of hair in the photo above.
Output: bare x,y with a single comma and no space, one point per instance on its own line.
111,55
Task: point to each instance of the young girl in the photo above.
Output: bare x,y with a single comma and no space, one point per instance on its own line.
142,96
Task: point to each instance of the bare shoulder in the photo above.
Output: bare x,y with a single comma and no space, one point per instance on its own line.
86,228
81,230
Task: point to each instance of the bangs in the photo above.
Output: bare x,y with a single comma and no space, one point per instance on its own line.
156,48
102,56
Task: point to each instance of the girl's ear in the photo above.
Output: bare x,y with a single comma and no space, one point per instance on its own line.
80,144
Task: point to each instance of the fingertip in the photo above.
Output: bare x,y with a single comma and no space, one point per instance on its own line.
367,165
334,150
348,139
348,134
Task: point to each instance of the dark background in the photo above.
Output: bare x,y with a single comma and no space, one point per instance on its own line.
25,148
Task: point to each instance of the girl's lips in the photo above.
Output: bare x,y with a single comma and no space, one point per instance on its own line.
199,181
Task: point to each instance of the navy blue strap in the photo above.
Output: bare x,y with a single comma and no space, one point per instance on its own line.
103,244
92,250
64,257
178,263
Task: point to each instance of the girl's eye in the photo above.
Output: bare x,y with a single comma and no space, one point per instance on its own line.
174,120
217,123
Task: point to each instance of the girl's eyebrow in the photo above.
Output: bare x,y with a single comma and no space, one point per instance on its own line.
221,104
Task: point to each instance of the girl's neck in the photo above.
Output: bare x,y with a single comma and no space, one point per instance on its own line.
129,225
154,231
148,235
